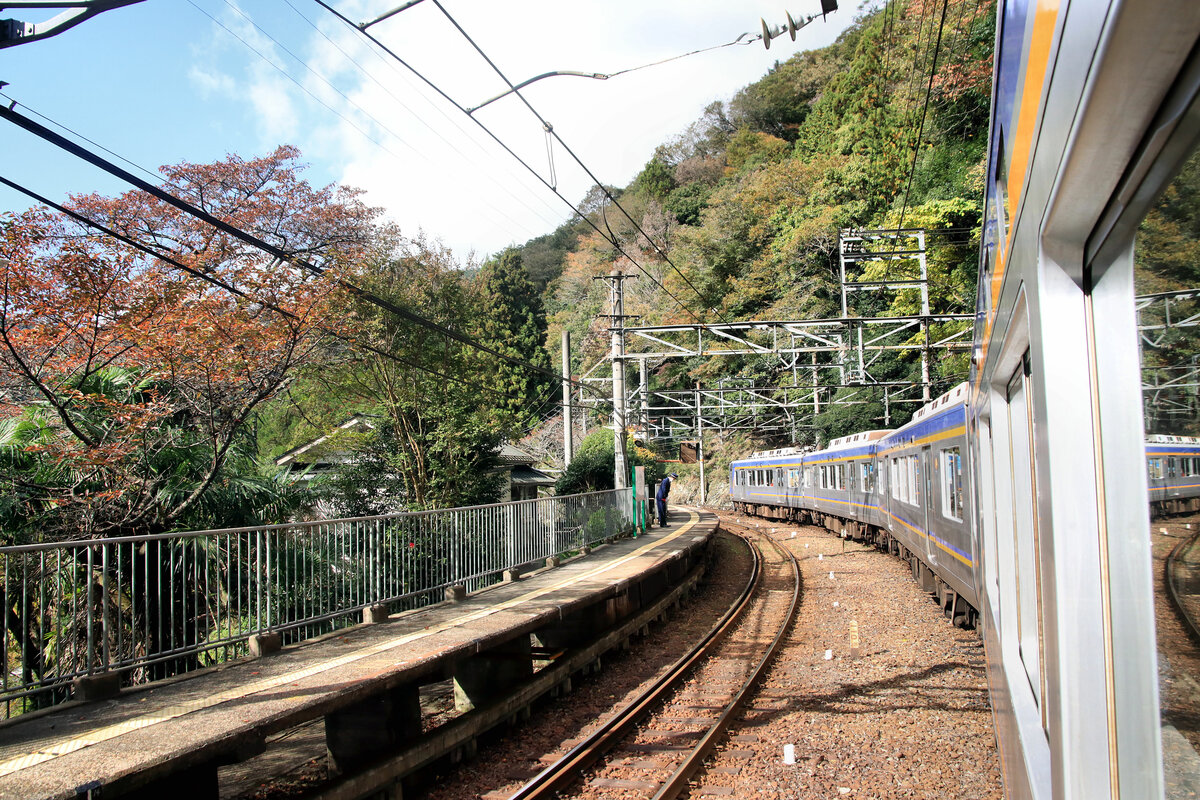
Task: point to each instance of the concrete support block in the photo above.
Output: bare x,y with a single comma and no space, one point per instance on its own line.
367,731
264,644
493,674
512,575
653,586
622,607
101,686
375,614
456,593
552,561
585,550
195,783
574,629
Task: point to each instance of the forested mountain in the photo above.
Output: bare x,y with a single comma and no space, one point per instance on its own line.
151,367
738,216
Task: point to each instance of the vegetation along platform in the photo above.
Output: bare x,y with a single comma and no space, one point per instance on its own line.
364,681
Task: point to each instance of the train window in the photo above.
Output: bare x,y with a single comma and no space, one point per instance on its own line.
951,483
868,473
894,470
851,479
841,477
1166,305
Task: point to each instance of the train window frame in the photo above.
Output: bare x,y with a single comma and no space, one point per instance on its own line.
950,465
1154,468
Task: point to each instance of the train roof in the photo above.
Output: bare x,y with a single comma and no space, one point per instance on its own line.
1160,438
956,395
781,451
857,438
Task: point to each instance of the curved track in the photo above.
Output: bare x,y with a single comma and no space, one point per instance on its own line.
1174,577
752,628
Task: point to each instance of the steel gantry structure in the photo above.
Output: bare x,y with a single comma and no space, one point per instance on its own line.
1166,324
829,361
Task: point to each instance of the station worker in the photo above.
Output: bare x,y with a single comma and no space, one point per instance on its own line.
660,497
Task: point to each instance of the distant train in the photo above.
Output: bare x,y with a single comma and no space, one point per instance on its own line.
901,489
1025,493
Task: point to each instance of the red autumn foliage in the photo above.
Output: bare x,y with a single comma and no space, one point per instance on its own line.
131,356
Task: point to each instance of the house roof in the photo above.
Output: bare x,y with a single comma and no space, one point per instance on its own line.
510,454
528,476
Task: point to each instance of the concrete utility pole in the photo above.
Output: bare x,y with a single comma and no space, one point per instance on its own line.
700,441
568,434
617,315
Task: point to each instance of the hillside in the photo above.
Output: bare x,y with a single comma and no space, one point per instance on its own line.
738,216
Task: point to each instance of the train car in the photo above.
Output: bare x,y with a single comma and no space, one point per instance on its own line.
1092,182
1095,113
768,483
927,503
840,484
1173,473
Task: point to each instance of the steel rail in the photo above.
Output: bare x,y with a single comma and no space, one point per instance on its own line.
695,759
551,780
1189,622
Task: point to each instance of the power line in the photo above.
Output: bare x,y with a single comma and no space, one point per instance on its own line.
288,258
420,118
550,130
221,284
361,29
924,109
382,125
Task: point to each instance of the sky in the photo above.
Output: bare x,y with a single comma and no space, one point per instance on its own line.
167,81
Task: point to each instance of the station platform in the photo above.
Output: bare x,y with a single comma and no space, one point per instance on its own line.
364,681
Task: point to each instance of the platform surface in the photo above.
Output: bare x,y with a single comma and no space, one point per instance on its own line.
224,711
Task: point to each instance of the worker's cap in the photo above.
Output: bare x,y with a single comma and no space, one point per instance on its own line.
673,475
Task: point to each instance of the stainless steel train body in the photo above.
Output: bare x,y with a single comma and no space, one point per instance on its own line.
902,489
926,500
1173,472
1096,109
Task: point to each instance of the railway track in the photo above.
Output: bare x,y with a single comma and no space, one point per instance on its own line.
659,751
1179,575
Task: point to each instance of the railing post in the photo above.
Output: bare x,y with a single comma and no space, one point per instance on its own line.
511,513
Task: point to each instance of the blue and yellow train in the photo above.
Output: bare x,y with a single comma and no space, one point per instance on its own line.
1024,494
902,489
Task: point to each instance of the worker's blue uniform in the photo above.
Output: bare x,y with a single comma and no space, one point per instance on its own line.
660,498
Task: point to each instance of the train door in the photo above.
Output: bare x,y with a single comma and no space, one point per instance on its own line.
926,502
1026,547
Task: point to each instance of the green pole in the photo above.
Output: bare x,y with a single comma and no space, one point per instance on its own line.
638,511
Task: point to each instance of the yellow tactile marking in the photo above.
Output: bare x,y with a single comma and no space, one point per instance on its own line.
179,709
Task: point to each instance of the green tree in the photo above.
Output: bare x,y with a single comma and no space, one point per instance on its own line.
512,321
592,468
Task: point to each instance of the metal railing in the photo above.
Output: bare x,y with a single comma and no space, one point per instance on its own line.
155,606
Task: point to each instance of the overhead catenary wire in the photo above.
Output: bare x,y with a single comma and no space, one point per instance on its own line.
550,130
924,110
420,118
84,154
354,125
458,106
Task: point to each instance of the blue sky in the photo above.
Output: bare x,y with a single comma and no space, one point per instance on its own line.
165,81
